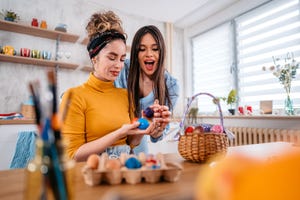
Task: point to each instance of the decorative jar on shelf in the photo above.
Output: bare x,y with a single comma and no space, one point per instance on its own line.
34,22
43,24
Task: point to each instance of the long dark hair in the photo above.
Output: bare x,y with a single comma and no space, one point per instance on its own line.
159,87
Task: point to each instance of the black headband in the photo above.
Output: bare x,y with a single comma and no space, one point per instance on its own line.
99,41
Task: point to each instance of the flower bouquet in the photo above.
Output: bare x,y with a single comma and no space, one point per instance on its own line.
285,70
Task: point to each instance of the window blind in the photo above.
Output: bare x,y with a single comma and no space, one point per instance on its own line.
272,30
212,62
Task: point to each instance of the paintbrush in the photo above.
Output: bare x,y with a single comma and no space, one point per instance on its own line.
55,121
37,105
56,149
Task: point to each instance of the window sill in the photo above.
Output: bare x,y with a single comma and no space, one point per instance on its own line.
256,121
276,117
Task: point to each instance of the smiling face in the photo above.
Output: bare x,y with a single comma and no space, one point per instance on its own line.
110,60
148,54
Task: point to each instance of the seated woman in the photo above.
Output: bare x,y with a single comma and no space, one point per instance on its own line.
98,115
147,81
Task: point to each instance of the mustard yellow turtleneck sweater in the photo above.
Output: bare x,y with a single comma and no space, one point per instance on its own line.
96,109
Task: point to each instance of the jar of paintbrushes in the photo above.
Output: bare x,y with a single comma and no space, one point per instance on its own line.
49,174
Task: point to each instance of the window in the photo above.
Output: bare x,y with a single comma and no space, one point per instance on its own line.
269,30
212,62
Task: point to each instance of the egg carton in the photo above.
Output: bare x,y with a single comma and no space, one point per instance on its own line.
167,171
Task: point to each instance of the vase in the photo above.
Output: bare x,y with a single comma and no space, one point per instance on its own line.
34,22
288,106
231,111
9,19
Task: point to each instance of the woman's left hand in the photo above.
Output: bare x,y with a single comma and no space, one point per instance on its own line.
161,118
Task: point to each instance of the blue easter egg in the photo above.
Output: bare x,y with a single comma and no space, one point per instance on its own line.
144,123
133,163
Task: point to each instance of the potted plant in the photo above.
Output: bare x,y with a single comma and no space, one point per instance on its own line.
10,15
231,100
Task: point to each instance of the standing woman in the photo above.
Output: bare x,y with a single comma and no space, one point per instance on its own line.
98,118
146,80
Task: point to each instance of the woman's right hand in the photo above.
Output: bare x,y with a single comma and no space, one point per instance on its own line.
132,129
135,134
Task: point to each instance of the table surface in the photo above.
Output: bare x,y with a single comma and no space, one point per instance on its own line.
12,182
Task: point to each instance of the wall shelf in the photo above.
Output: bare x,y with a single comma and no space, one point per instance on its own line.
35,61
17,121
87,69
36,31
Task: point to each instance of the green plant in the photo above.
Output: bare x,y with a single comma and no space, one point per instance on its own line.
9,14
230,99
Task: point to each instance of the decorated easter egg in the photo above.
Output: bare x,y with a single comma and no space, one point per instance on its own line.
133,163
144,123
198,129
217,129
206,127
152,162
189,130
148,112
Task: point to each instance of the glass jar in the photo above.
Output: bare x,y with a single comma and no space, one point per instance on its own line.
43,24
34,22
43,181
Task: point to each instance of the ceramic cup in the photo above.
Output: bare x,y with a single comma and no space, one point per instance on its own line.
25,52
46,55
35,53
61,27
9,50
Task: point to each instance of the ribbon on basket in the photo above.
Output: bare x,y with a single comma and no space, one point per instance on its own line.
229,134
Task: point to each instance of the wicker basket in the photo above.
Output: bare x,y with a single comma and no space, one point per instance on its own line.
201,147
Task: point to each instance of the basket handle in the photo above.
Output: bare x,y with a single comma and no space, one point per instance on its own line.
181,125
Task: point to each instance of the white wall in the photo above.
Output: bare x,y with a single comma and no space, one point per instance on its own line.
75,13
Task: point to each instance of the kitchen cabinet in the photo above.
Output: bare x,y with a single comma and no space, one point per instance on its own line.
38,32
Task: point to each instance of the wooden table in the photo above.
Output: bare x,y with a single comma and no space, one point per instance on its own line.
12,182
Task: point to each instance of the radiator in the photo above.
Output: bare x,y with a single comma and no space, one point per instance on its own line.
248,135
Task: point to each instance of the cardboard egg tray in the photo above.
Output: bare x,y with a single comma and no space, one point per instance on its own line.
169,172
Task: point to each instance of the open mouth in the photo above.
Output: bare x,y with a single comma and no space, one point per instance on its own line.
149,65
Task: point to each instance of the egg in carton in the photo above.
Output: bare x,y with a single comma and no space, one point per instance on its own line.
133,169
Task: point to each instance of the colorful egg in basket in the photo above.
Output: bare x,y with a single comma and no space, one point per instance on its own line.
132,170
202,142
